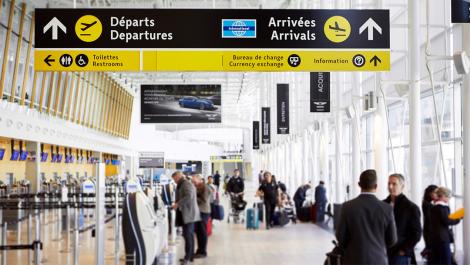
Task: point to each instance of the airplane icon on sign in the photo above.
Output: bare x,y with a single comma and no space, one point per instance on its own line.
337,28
86,26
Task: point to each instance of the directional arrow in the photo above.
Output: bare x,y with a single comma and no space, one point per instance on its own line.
375,59
48,60
55,24
370,25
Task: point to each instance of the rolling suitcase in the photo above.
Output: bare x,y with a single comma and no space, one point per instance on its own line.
209,227
304,214
252,220
313,213
260,207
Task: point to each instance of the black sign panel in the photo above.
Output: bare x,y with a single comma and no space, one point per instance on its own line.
266,125
255,135
282,108
320,92
180,104
212,28
460,11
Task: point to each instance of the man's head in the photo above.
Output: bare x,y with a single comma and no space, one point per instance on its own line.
216,172
396,184
368,181
236,172
197,179
267,176
210,180
322,182
177,176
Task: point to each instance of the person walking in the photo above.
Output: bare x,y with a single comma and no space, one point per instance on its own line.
188,210
203,201
216,178
440,236
269,191
366,227
320,201
236,184
407,220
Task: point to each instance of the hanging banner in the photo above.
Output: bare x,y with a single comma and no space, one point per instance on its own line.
255,135
266,125
319,92
180,103
460,11
248,40
282,108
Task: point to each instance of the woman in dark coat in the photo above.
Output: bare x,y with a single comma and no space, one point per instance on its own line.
440,235
428,200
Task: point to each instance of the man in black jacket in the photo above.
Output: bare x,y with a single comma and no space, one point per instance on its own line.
367,227
236,184
407,220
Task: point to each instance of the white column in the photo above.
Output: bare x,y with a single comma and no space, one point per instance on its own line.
466,146
380,146
324,171
415,163
356,134
339,187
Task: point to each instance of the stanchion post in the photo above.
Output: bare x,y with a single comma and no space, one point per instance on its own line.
37,251
4,242
116,225
30,237
75,239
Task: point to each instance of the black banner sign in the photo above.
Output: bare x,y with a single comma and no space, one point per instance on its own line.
266,125
319,92
255,135
212,28
282,108
460,11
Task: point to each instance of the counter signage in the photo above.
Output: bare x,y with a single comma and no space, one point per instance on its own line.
319,92
232,40
460,11
151,160
266,125
255,135
282,108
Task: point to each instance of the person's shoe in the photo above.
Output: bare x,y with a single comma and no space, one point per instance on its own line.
200,256
185,262
191,260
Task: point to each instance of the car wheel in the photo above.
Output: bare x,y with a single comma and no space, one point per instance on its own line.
201,107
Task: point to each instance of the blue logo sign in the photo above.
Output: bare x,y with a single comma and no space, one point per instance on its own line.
238,28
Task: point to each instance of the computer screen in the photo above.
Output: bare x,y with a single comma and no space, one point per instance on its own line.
2,153
15,155
44,156
54,158
23,155
59,158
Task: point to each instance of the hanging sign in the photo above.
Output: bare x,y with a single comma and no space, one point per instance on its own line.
255,135
320,92
282,108
266,125
248,40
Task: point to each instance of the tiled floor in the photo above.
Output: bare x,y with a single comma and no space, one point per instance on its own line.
230,244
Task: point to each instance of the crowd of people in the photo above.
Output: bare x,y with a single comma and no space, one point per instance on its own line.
372,231
369,230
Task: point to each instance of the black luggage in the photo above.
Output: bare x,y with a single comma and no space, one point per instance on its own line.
304,214
335,256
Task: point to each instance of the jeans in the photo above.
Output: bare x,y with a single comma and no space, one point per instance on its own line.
270,207
400,260
201,234
188,235
440,254
321,212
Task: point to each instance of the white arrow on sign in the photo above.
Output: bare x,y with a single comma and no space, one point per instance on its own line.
55,24
370,25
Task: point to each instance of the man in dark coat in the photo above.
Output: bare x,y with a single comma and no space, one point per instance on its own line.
407,220
367,227
320,201
217,179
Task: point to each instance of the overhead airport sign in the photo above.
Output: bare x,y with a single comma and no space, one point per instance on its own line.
255,135
266,125
282,108
460,11
214,40
151,160
320,92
